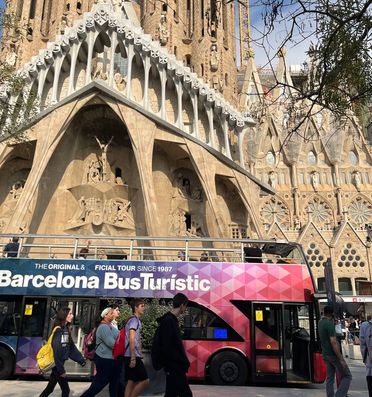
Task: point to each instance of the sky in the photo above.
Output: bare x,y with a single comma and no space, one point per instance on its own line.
296,51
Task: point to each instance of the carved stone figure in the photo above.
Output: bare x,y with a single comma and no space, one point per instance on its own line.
17,189
273,179
105,163
177,222
97,70
81,212
357,180
120,81
163,30
315,180
215,58
11,57
94,171
197,194
196,229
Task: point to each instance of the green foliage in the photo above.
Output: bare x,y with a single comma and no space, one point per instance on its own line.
154,309
23,107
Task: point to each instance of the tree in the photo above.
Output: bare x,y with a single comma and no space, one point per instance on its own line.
340,69
18,105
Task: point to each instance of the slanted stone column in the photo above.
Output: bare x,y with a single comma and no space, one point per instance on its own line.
208,104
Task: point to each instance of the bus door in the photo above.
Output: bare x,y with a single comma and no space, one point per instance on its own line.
85,312
31,334
267,342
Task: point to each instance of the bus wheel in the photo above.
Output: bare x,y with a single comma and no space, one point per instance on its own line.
228,368
6,363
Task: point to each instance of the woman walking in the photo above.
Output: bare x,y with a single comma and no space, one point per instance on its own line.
107,368
63,348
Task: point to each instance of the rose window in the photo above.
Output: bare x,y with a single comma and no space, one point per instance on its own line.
321,213
274,211
360,212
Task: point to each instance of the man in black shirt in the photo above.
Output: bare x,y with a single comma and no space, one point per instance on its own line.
176,363
11,249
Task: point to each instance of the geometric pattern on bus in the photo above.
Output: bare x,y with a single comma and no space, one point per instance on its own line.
26,353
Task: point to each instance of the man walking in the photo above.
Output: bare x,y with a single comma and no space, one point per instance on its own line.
332,356
176,363
135,371
366,348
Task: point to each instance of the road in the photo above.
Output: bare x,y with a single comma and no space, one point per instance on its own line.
32,388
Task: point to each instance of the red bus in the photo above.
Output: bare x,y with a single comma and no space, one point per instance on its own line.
252,313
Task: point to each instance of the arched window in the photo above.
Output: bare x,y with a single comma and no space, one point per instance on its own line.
270,158
311,158
344,286
353,158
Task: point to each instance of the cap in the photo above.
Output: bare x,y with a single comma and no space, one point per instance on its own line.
105,312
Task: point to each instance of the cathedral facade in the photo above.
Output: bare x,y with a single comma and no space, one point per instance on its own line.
143,129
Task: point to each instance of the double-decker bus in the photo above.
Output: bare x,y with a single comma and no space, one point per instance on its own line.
252,314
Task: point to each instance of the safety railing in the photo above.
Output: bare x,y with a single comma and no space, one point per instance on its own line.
150,248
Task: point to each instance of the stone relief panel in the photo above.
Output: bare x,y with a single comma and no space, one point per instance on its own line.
97,210
186,211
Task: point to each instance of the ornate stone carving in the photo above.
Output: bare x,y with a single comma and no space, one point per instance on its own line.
182,187
360,212
273,179
104,160
315,180
94,210
273,210
177,223
16,189
120,81
215,58
320,211
357,180
94,172
11,57
163,30
98,72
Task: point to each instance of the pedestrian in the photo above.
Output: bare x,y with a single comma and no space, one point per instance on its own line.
63,348
115,315
339,337
332,355
11,249
176,363
107,368
366,349
135,371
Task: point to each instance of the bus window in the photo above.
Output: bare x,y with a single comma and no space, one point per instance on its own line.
201,323
10,315
33,317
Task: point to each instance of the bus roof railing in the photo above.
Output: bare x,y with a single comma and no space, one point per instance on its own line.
153,248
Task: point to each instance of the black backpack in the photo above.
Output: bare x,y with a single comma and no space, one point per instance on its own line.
157,355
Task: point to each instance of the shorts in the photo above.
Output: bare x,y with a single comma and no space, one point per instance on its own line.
136,374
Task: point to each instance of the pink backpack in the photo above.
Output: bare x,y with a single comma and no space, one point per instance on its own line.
89,346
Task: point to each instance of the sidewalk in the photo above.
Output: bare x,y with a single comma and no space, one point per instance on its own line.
17,388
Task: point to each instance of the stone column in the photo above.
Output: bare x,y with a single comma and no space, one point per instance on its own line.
114,42
74,53
142,145
147,67
130,52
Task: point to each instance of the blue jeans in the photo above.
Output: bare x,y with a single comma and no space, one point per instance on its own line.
333,364
108,372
